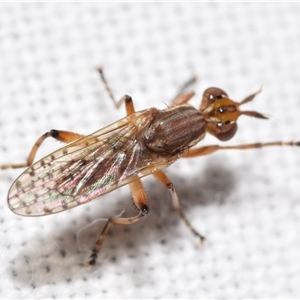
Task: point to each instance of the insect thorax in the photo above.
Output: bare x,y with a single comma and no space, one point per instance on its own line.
175,129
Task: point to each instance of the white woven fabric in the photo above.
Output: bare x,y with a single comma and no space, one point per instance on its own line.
247,203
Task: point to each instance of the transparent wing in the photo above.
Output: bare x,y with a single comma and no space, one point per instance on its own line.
84,170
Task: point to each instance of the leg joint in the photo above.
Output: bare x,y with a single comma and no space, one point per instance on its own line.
144,210
170,186
54,133
127,99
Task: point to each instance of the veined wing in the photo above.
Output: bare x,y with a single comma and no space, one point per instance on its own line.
85,169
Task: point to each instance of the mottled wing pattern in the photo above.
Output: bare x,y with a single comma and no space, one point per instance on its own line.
83,170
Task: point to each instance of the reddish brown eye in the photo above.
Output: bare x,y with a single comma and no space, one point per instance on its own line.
227,131
214,93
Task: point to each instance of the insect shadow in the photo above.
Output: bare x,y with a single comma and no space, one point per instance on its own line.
211,187
61,257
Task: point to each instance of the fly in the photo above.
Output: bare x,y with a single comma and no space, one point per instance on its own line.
142,143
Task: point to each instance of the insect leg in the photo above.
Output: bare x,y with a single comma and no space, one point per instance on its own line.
213,148
163,179
183,96
126,99
108,89
128,104
182,99
140,200
62,136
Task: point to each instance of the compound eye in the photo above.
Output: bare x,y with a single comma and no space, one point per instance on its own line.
214,93
227,131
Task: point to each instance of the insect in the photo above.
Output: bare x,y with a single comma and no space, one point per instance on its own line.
142,143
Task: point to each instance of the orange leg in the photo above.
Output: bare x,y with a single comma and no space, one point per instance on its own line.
140,200
164,180
183,96
213,148
126,99
63,136
59,135
182,99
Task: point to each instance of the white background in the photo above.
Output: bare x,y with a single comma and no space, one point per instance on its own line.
246,203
